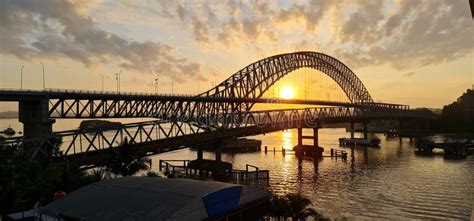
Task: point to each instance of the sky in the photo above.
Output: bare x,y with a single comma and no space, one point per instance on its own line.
415,52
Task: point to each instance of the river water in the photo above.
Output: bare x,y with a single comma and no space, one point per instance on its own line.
389,182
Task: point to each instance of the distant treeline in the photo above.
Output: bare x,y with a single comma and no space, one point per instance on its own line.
457,117
9,115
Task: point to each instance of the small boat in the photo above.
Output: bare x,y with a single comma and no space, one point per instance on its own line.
9,131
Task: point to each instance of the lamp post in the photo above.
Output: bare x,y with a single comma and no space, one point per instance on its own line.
117,77
21,77
156,85
44,84
102,76
172,84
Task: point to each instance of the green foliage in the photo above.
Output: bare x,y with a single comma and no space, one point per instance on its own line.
458,117
292,205
126,161
24,182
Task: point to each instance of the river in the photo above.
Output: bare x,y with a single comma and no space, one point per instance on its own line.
389,182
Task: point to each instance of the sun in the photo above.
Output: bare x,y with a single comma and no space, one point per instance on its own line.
287,92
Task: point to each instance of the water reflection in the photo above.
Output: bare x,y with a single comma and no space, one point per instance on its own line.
387,182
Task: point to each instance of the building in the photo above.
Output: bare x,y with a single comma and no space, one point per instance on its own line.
153,198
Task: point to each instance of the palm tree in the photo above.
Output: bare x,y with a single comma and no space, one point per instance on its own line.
279,207
127,161
298,207
294,206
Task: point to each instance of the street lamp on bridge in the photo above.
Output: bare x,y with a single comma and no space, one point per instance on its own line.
102,77
172,85
44,84
117,77
21,76
156,85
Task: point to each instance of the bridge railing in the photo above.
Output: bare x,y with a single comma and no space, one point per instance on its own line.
83,141
99,92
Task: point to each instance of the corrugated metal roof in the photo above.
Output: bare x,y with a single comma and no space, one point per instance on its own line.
145,198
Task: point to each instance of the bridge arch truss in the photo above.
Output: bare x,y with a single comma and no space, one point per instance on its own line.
255,79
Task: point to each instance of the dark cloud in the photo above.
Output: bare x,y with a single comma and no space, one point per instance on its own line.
55,28
417,33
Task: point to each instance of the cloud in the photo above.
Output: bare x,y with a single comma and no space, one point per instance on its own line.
55,28
404,34
413,34
409,74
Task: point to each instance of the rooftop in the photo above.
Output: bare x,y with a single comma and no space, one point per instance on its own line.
153,198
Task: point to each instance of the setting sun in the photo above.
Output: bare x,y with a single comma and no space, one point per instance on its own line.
287,92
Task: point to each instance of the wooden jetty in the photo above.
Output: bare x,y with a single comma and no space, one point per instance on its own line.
339,153
210,168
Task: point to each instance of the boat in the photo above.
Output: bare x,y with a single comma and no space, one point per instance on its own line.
9,131
99,125
237,145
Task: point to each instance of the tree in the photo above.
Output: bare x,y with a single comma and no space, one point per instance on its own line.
292,205
279,207
299,207
126,161
25,181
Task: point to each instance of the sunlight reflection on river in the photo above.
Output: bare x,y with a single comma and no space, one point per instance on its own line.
387,182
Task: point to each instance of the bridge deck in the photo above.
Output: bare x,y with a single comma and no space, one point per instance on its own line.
18,95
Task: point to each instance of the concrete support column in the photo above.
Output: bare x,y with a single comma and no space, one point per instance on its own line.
400,130
199,153
34,114
315,137
300,136
365,130
352,130
219,154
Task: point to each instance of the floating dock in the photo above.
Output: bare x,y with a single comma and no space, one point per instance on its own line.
455,150
359,142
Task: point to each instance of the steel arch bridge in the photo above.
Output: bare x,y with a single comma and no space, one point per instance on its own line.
183,120
255,79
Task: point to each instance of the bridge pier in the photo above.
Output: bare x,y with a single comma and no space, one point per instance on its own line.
365,130
352,130
300,136
400,130
199,153
34,114
315,137
218,154
309,150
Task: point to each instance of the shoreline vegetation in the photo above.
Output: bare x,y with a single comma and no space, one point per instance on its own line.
9,115
99,124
